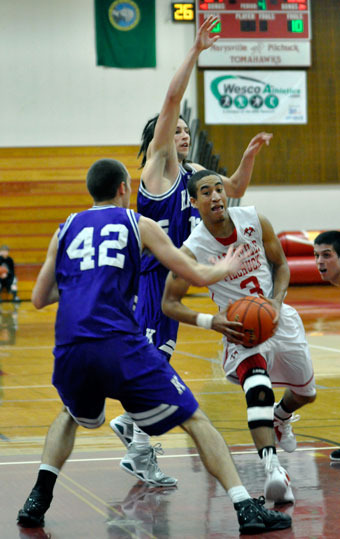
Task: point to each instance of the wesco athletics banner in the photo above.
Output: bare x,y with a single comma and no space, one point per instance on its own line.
255,97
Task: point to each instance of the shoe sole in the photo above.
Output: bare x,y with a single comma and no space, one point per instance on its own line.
121,436
276,493
254,529
27,521
140,476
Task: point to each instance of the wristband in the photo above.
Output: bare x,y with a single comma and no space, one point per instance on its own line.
204,320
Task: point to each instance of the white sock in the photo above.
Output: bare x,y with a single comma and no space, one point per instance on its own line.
140,438
49,468
238,494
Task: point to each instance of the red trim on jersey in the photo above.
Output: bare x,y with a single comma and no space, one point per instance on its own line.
253,362
231,239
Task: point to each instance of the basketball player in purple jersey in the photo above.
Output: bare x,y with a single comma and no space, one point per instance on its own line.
92,269
163,197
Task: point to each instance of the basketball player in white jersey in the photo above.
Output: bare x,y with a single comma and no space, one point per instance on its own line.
163,197
284,359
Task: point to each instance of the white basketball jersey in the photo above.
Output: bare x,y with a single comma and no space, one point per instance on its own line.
255,277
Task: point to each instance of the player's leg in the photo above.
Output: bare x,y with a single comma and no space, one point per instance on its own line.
215,455
163,401
295,369
161,332
255,381
58,447
291,367
284,417
83,405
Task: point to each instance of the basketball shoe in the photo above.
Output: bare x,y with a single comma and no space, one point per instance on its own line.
335,455
123,429
35,507
284,434
142,463
254,518
277,484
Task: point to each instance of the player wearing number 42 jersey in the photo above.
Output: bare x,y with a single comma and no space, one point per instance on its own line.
284,359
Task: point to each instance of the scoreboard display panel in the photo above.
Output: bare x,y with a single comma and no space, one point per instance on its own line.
260,21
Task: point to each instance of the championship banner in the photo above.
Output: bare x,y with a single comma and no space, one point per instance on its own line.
125,33
255,97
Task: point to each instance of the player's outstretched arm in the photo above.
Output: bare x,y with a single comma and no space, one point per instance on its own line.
161,155
174,291
155,239
236,185
45,290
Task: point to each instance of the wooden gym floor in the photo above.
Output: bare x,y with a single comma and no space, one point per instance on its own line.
94,499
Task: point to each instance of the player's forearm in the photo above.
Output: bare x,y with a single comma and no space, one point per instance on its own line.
181,78
42,297
176,310
239,181
281,276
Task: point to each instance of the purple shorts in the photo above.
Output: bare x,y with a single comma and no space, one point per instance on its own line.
160,330
126,368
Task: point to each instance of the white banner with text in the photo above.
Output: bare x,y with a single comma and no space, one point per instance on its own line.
255,97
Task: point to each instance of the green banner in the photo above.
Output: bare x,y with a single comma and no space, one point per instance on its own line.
125,33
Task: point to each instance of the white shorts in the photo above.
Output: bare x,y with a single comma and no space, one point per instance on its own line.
287,355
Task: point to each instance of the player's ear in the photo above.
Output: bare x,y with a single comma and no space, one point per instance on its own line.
122,188
193,202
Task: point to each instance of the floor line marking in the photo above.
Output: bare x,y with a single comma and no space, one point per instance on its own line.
184,455
336,350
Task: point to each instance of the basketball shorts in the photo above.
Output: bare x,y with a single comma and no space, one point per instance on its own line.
160,330
287,355
129,369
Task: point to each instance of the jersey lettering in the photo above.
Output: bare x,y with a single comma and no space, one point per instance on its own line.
185,199
180,387
149,334
194,221
164,224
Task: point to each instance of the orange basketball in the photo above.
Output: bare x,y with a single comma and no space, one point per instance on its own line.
3,272
256,315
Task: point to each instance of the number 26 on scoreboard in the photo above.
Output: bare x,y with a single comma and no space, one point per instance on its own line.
183,11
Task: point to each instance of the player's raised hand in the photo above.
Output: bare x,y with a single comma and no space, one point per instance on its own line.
203,39
256,144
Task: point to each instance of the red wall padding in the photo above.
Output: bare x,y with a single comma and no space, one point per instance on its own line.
298,248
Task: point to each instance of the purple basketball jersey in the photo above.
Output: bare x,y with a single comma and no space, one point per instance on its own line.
97,272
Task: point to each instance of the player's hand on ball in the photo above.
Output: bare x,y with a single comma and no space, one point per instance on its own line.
233,331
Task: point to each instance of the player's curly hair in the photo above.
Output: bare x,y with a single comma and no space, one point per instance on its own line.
147,136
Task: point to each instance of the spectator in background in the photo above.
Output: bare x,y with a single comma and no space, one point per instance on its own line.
8,279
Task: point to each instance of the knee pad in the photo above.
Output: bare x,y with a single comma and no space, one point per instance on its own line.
260,398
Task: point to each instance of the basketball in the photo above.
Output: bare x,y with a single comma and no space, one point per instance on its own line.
256,315
3,272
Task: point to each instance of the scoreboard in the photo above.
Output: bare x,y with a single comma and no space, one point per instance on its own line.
270,33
